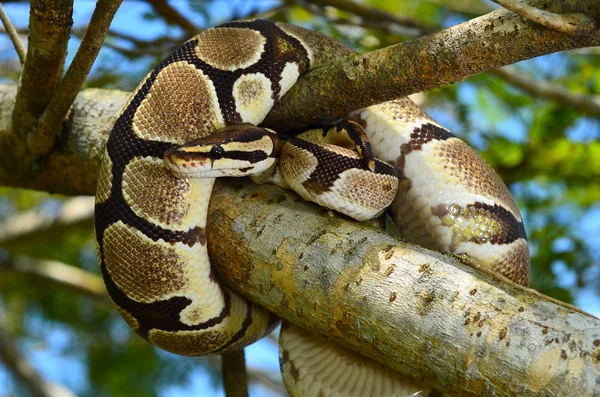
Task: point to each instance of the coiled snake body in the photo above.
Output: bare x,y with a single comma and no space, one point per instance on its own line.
150,224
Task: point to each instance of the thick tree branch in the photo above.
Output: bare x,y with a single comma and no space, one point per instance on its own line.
171,15
573,24
49,24
73,165
43,137
13,34
586,104
422,313
488,42
22,369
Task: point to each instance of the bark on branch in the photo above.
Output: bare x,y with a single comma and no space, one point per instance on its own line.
42,139
49,25
574,24
235,376
493,40
422,313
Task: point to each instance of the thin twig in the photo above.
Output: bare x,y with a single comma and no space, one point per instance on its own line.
22,369
374,14
477,7
269,379
235,378
572,24
14,35
34,225
356,20
173,16
43,137
73,278
587,104
267,14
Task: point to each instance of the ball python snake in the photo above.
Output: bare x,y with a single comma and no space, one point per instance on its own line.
190,113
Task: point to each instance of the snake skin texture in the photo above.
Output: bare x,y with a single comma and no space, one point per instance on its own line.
151,226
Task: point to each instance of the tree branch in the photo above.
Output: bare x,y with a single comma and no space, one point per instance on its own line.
586,104
488,42
371,13
256,375
171,15
420,312
43,137
22,369
355,20
235,378
73,278
14,36
49,24
73,166
573,24
76,213
476,7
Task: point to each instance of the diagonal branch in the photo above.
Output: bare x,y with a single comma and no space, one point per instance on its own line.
573,24
73,278
22,369
33,225
43,137
420,312
496,39
13,34
374,14
171,15
586,104
355,20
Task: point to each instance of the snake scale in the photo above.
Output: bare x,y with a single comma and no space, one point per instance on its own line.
192,118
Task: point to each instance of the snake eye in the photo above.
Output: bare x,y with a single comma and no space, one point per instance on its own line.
217,152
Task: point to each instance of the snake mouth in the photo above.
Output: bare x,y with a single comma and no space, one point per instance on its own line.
184,165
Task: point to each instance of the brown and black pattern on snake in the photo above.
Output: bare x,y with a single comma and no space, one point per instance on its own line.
150,225
184,97
419,137
324,174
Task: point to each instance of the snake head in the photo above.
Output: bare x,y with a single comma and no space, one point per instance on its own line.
237,150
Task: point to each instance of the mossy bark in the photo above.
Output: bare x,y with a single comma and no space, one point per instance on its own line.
425,314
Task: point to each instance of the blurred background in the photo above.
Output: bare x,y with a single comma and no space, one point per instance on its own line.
523,120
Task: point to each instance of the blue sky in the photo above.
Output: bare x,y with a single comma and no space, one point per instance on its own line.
52,356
